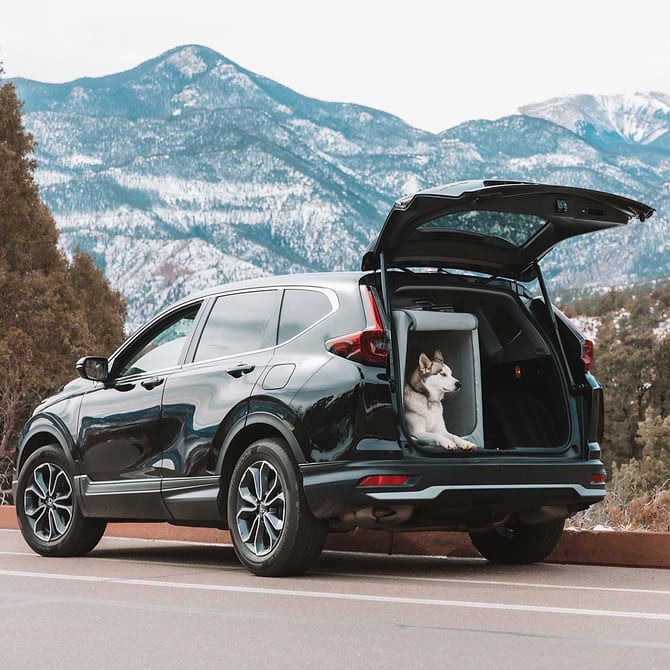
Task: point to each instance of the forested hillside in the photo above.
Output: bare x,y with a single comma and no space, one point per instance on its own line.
631,329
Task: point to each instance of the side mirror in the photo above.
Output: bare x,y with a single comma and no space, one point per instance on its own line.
94,368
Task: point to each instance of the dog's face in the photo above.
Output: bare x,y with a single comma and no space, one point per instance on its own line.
437,376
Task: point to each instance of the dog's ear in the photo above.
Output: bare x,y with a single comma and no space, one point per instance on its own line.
437,356
424,364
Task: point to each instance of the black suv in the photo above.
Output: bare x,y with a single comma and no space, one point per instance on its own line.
274,407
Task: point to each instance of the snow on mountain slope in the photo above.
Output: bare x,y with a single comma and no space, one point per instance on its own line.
189,170
640,118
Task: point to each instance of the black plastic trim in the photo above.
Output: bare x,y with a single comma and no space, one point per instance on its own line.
192,498
132,499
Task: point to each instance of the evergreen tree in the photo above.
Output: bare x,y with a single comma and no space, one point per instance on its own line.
654,438
104,309
51,311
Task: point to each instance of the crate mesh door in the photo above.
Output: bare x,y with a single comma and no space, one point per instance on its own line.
455,335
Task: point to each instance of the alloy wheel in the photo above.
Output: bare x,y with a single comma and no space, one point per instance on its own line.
48,502
260,508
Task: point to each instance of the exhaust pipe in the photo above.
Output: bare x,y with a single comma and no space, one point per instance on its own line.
377,517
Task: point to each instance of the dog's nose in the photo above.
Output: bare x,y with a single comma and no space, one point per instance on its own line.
458,384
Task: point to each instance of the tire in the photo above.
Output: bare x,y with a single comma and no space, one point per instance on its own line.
45,480
263,545
519,545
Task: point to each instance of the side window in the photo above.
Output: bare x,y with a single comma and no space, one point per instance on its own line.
237,323
300,309
162,351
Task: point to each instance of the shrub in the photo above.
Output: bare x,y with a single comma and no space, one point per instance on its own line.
631,503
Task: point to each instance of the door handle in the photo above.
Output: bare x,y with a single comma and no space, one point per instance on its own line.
241,369
152,383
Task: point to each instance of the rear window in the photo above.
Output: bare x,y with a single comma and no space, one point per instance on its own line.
300,309
237,323
514,229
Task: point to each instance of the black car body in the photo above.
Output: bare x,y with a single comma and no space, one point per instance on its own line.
306,365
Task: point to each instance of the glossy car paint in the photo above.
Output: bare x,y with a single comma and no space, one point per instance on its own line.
124,443
167,460
165,452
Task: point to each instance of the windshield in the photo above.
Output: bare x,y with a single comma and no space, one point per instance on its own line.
515,229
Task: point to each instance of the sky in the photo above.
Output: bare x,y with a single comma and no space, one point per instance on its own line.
434,64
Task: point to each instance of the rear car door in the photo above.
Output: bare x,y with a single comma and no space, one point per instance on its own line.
209,395
119,439
494,227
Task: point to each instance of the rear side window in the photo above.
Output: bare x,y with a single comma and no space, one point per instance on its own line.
300,309
515,229
237,323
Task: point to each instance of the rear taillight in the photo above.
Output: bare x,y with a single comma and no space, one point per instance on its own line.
598,478
369,346
384,480
587,354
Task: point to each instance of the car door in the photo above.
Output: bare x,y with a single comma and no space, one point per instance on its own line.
119,441
209,395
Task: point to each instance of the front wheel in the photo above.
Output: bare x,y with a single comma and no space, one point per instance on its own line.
48,512
519,545
274,532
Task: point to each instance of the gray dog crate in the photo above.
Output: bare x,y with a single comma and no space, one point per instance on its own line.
455,335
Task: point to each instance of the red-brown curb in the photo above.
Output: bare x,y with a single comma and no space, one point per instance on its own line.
586,547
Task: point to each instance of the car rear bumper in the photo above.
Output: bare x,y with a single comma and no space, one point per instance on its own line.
498,486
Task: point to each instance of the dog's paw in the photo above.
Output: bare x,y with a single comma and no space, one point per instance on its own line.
467,446
447,443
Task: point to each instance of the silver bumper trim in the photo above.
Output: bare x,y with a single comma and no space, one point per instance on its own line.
433,492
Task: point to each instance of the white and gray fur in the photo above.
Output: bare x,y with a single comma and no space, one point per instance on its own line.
422,401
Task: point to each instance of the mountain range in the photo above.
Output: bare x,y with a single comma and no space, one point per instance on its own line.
189,170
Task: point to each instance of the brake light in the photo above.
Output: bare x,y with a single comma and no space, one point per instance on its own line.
383,480
598,478
369,346
587,355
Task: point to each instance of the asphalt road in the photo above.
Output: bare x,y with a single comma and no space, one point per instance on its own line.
157,604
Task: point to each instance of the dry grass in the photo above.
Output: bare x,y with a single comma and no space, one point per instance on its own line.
628,507
650,511
6,475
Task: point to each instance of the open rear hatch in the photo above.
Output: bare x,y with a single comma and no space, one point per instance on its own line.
503,229
495,227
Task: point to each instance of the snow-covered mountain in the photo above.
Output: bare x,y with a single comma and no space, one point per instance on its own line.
640,118
189,170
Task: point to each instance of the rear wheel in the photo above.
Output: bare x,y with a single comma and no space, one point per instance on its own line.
48,512
274,532
521,544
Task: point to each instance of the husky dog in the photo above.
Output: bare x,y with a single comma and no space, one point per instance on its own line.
427,385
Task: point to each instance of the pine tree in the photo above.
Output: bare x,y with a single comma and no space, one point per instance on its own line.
654,437
51,311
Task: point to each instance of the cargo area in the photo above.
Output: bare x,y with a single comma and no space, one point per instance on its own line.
513,395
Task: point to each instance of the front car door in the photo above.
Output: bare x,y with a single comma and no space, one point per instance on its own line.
209,395
119,440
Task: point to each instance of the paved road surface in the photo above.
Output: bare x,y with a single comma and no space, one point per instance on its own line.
152,604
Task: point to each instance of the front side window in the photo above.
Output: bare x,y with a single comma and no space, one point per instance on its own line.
238,322
162,351
299,310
